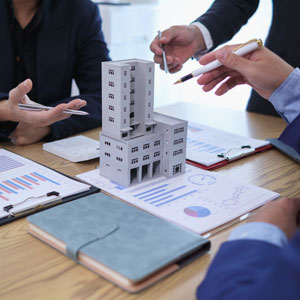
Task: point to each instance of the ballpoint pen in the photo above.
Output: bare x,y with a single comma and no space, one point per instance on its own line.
240,50
163,54
38,107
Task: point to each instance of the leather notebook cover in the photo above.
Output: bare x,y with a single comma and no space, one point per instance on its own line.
124,244
288,150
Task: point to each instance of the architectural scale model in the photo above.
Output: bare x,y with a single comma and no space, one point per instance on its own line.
137,144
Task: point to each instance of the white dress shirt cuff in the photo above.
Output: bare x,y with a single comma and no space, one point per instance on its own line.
207,39
286,98
259,231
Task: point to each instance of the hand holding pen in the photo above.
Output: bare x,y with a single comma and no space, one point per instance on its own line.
262,69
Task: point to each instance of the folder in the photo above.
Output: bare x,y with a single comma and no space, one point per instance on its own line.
27,187
127,246
209,148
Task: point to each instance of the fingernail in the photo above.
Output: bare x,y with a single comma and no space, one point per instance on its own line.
27,84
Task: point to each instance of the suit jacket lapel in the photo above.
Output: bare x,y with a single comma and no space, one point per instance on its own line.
6,51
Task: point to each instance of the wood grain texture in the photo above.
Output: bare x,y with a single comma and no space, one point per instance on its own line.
32,270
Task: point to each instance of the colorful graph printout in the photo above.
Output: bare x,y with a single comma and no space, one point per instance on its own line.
24,180
199,200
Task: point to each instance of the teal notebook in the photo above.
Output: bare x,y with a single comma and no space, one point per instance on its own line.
122,243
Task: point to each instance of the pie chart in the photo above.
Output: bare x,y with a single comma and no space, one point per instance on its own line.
197,211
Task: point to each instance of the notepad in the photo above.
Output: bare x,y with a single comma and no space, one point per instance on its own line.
198,200
124,244
210,148
75,149
26,186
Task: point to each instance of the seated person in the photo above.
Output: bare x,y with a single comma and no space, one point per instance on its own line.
261,259
50,42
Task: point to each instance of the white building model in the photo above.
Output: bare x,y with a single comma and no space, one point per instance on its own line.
137,144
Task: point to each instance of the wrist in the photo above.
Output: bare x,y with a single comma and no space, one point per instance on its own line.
5,114
199,41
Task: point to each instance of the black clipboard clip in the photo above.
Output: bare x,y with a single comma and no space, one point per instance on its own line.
235,153
14,211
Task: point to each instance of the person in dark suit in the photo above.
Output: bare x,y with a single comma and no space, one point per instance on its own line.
219,24
44,45
261,259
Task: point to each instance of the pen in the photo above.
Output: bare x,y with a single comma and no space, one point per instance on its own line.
37,107
241,50
163,53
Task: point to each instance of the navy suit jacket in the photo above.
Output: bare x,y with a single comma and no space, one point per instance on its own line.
226,17
249,269
70,44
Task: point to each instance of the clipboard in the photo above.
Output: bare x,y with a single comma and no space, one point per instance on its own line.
230,158
13,210
209,148
124,244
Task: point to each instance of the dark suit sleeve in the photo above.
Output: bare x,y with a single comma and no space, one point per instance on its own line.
249,269
87,74
225,18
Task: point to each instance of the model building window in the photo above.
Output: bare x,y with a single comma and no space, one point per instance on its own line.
124,121
111,72
107,154
149,116
156,143
111,119
178,141
145,157
148,129
125,85
134,149
132,91
134,161
177,152
178,130
111,96
132,79
110,107
177,169
119,158
150,69
132,114
149,93
150,81
107,143
156,153
132,102
149,104
132,68
124,134
125,97
111,84
146,146
125,73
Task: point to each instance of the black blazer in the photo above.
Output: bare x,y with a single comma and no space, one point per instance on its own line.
225,17
70,44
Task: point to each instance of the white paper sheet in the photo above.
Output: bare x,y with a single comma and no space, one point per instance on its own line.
198,200
22,179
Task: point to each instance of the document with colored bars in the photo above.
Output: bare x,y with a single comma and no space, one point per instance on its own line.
25,184
198,200
210,148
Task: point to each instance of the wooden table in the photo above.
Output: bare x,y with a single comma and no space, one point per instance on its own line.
29,269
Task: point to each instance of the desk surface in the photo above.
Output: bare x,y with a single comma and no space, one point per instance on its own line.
32,270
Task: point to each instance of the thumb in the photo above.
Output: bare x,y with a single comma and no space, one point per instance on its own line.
20,91
233,61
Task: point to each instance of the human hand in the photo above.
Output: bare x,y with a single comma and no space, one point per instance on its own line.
283,213
262,69
180,43
36,118
26,134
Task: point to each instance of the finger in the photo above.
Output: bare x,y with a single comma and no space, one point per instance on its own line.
233,61
158,59
18,93
175,69
229,84
76,104
211,56
212,75
155,46
210,85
